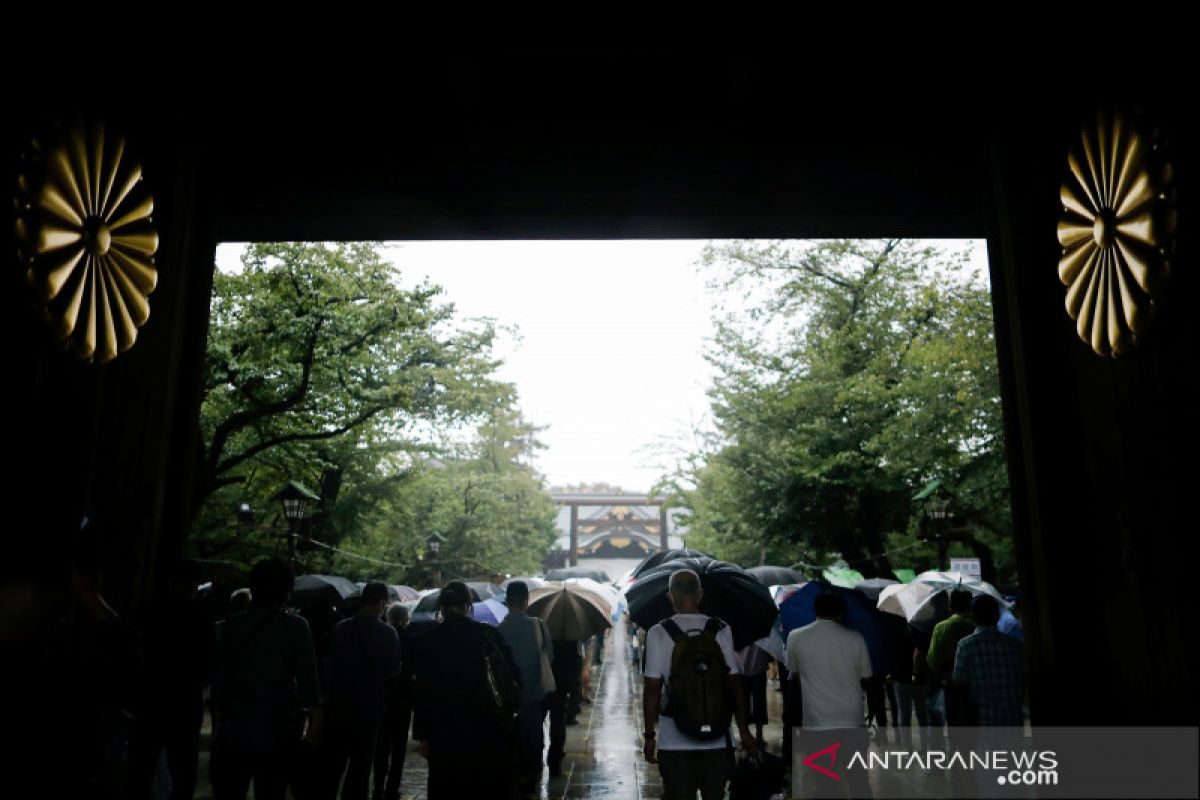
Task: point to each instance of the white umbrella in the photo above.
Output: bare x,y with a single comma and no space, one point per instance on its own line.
915,601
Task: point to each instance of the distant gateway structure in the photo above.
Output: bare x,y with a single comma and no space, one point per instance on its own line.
611,526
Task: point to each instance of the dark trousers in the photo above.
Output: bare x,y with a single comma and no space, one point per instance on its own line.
877,707
685,772
559,702
756,695
459,770
178,733
350,750
529,742
556,705
391,748
232,770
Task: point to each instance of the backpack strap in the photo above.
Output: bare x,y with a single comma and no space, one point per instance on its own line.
674,631
713,626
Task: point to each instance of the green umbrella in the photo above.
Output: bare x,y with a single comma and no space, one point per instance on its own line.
843,576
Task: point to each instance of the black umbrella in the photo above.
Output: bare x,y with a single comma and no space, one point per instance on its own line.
566,573
654,560
308,589
872,587
430,601
730,593
776,576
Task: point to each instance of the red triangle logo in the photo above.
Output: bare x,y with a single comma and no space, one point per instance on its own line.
811,759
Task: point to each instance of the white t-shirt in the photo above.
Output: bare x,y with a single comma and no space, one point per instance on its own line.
830,659
659,647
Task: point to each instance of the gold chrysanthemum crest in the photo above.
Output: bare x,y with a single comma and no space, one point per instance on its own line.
86,239
1117,231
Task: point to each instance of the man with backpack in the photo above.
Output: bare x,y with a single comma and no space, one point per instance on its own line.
465,701
691,692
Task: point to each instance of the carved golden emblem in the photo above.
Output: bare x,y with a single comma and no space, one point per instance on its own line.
1117,230
86,240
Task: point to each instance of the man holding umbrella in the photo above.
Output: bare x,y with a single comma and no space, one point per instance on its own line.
693,655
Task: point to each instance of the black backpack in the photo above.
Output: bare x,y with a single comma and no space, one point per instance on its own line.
500,689
698,695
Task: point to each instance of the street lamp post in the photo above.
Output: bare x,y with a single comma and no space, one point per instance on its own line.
433,547
294,497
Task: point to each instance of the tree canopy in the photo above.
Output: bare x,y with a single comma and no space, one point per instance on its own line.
860,371
322,369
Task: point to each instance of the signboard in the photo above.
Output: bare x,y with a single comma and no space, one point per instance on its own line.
967,566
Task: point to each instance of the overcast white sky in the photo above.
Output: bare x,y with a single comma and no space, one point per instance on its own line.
609,348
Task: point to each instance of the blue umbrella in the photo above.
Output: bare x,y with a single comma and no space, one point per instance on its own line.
481,612
797,610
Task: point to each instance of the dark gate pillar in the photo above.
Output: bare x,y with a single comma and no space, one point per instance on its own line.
663,541
573,553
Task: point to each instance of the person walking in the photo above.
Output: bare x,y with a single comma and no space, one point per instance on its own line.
264,678
942,647
691,689
391,746
831,665
529,639
465,744
990,667
365,656
562,703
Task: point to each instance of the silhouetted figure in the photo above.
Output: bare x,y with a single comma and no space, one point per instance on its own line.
567,665
366,655
469,750
753,663
907,682
102,675
179,640
392,744
990,666
264,678
528,638
942,647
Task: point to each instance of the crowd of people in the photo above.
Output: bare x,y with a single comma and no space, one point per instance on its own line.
326,706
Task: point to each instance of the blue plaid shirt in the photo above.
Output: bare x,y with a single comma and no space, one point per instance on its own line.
991,664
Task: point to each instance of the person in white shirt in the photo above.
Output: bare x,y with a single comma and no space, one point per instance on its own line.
687,764
831,664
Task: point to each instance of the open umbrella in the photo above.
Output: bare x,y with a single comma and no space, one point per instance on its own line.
775,576
572,612
871,587
605,590
404,594
654,560
566,573
430,601
926,600
798,610
730,594
486,611
484,589
309,589
532,583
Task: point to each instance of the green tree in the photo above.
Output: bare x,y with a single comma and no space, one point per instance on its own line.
320,367
860,371
483,496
